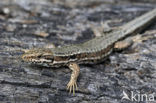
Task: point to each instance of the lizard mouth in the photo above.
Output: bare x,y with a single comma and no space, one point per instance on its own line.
38,56
24,58
28,59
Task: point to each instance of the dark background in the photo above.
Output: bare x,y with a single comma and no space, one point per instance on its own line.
26,24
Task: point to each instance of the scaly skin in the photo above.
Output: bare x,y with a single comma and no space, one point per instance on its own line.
88,52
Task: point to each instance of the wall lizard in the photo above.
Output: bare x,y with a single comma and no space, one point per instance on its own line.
91,51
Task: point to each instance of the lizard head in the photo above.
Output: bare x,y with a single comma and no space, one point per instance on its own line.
38,56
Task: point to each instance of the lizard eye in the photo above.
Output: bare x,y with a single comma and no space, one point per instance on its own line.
39,56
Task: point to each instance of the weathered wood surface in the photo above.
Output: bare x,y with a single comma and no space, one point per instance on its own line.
26,24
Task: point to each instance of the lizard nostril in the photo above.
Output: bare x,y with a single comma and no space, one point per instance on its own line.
23,57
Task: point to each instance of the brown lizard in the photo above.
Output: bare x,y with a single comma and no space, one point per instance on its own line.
91,51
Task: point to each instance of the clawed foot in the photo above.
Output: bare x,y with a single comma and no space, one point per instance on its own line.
71,86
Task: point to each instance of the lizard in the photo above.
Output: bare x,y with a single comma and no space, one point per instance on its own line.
92,51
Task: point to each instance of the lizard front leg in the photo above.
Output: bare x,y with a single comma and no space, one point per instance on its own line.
75,73
73,79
